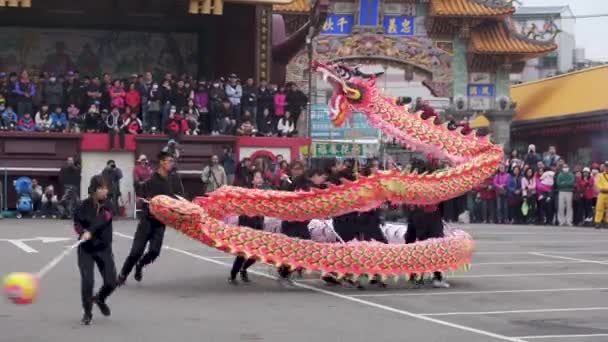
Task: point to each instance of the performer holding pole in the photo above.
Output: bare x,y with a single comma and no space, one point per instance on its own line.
93,223
256,222
425,222
300,181
150,230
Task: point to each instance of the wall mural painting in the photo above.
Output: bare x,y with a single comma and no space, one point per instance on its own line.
93,52
422,53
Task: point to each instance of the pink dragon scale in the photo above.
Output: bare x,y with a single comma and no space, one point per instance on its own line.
472,159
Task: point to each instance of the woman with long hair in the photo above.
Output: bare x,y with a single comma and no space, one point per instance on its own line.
528,190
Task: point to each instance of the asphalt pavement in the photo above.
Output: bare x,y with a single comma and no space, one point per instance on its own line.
527,283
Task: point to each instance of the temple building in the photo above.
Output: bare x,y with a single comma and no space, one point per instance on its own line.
569,111
461,51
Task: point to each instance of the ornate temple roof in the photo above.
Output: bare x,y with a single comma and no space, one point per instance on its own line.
497,38
469,8
296,6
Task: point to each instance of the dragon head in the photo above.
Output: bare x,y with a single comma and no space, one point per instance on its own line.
422,131
349,88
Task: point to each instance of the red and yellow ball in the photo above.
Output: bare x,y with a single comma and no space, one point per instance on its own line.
21,288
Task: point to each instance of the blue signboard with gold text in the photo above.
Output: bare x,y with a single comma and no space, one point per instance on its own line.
395,25
482,90
336,24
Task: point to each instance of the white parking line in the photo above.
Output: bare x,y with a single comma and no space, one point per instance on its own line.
475,313
450,293
570,259
540,337
352,299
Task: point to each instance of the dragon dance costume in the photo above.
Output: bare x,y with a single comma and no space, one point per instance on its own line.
471,159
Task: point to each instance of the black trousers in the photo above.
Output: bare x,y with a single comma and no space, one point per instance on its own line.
150,232
422,226
240,264
86,264
121,138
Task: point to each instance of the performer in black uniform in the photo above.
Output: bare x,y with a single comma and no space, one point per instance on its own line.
93,223
299,181
256,222
150,230
425,222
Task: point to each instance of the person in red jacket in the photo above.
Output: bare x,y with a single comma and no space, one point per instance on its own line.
586,185
133,99
487,194
132,124
176,126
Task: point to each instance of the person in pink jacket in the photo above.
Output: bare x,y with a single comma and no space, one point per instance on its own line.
118,94
501,181
280,102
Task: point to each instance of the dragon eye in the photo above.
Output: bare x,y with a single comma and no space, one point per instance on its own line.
344,72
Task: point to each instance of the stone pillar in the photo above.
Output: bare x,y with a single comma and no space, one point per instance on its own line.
500,118
460,67
503,82
500,126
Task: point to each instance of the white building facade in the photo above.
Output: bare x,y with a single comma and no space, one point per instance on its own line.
540,19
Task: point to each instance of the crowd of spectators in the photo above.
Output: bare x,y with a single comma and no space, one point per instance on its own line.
174,105
536,189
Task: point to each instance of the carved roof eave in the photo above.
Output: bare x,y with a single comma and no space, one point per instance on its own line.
440,27
469,9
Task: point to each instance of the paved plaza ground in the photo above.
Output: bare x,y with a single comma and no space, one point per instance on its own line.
527,283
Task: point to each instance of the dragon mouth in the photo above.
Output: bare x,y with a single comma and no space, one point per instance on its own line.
343,93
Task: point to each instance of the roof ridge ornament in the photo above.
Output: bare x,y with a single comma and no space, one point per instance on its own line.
498,3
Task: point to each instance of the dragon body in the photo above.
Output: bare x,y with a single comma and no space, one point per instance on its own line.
472,159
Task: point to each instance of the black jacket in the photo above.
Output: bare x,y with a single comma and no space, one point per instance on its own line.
98,221
159,185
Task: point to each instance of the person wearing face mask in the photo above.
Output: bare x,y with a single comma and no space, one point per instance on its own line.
53,93
93,224
151,231
566,181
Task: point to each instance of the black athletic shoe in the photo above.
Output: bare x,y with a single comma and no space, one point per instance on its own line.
103,307
244,276
330,280
232,281
138,272
86,318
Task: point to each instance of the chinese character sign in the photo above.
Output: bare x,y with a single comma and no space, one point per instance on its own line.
398,25
482,90
338,150
338,24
